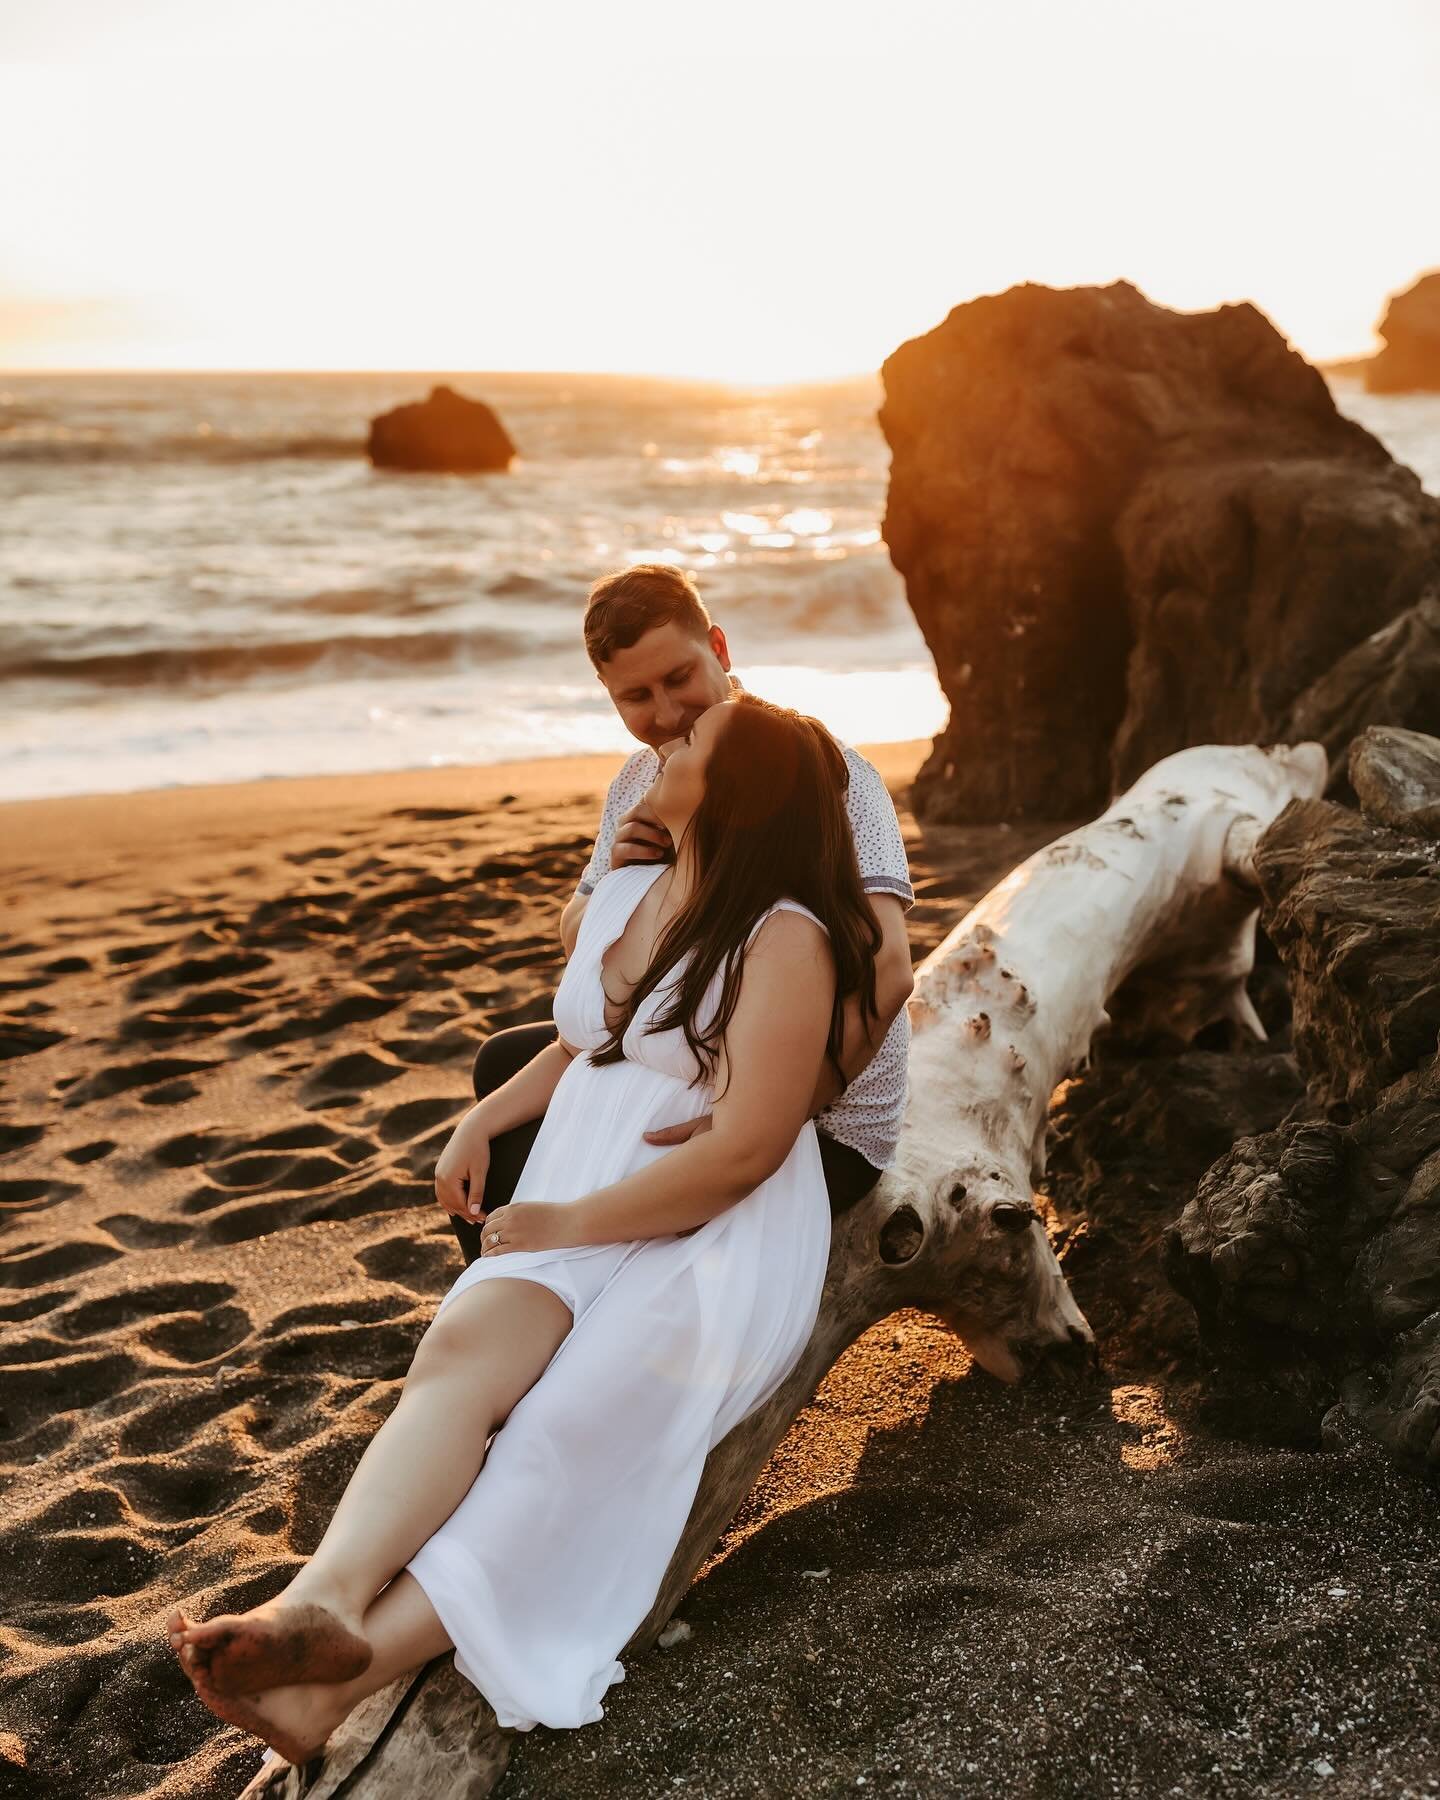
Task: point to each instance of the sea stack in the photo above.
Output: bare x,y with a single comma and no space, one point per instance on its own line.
447,434
1410,361
1125,530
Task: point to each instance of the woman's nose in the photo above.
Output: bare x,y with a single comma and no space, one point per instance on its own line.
667,750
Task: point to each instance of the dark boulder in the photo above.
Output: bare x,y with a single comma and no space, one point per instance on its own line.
1353,908
1311,1252
1410,360
1390,678
445,434
1396,775
1124,530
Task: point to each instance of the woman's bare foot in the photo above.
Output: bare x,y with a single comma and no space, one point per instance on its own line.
271,1646
296,1721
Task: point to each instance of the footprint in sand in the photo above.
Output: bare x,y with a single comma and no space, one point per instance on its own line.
175,1491
198,1337
413,1118
68,965
89,1153
202,1015
443,1047
261,1171
34,1195
121,1078
240,1220
354,1007
355,1071
436,812
17,1038
124,956
40,1392
34,1306
424,1265
362,1338
191,1147
79,1565
136,1232
27,1265
172,1093
196,971
124,1308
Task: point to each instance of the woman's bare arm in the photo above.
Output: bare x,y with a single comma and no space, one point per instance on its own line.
894,983
772,1054
465,1160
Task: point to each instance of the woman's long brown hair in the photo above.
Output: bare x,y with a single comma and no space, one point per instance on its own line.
772,826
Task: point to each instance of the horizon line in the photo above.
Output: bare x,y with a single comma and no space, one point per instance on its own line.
727,381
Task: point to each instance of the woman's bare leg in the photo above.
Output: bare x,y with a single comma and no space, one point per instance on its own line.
481,1356
404,1633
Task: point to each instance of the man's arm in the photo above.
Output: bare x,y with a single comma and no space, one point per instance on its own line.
773,1046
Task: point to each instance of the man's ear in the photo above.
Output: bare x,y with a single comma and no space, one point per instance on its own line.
720,647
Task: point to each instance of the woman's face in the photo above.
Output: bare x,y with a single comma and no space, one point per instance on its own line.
678,789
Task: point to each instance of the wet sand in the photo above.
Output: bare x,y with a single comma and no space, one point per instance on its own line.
235,1029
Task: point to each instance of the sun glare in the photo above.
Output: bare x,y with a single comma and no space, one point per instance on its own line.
642,196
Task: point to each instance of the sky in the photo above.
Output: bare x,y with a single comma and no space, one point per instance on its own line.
755,190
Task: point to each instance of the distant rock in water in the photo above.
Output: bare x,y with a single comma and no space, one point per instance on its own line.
446,433
1411,329
1124,530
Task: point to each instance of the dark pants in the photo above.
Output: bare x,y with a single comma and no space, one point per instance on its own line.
848,1177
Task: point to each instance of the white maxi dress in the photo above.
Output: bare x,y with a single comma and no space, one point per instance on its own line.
555,1556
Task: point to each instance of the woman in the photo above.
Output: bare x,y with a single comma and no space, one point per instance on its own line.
630,1305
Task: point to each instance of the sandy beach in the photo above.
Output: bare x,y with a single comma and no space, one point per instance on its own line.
237,1024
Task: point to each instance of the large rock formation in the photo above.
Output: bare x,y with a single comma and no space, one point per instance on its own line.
447,433
1312,1252
1125,530
1411,330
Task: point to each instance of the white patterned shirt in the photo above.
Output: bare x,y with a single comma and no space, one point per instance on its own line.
867,1115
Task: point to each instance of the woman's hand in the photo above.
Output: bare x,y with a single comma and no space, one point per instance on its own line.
463,1165
530,1225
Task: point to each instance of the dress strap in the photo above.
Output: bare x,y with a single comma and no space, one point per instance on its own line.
788,906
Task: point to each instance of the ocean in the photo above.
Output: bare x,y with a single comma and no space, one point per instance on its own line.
202,579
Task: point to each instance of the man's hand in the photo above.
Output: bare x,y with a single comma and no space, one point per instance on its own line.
462,1168
667,1135
529,1225
640,838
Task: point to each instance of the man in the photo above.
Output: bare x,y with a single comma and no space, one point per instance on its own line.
663,662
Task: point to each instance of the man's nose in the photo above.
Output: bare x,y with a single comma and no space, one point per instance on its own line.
670,714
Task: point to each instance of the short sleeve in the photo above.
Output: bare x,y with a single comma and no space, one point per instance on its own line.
625,790
879,847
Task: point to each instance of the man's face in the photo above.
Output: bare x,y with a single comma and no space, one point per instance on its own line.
665,680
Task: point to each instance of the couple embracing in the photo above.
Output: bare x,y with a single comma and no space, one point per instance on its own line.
643,1193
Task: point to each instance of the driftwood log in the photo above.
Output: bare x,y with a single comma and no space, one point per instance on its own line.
1151,908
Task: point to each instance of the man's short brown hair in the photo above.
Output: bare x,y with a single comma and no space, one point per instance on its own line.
622,607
